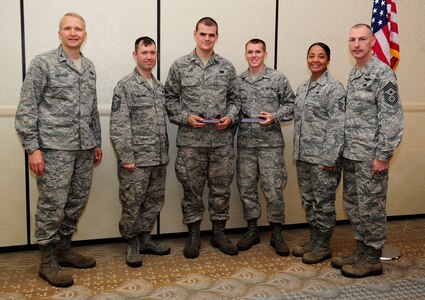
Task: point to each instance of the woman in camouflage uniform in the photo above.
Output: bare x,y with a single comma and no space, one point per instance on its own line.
318,139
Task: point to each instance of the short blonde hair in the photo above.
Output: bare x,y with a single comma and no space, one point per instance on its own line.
75,15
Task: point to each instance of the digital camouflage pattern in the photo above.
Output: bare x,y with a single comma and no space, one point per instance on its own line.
267,166
138,129
203,153
269,92
57,113
260,147
365,197
374,117
192,89
138,132
58,104
319,121
318,193
63,192
142,196
318,140
194,166
374,127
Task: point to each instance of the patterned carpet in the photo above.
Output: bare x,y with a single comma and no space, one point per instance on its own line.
255,274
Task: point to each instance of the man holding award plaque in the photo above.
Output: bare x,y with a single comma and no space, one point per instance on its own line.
266,99
202,98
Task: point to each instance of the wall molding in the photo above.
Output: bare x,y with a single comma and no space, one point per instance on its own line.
8,110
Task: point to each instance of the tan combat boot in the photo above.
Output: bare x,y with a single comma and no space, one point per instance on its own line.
133,257
369,265
301,249
321,250
50,269
339,262
68,257
149,246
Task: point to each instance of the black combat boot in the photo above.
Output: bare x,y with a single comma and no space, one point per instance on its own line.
339,262
191,248
277,241
149,246
251,237
368,265
50,269
220,240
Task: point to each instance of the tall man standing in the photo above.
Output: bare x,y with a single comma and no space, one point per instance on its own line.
374,127
58,123
138,132
202,97
266,95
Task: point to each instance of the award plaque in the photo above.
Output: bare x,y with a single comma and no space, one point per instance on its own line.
210,120
252,120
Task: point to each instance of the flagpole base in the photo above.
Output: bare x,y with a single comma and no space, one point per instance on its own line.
389,252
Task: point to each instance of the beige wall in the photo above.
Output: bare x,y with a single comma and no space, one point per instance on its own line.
12,179
112,28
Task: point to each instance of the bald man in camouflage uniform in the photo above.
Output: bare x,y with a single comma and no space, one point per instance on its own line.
265,94
138,132
58,123
201,87
374,127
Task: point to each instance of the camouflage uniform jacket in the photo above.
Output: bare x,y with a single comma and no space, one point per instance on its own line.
58,104
374,116
319,121
269,92
138,129
192,88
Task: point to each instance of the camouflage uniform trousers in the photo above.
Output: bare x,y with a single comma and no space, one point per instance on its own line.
267,166
318,192
142,195
197,165
365,196
63,193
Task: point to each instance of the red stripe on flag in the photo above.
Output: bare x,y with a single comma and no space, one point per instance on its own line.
386,47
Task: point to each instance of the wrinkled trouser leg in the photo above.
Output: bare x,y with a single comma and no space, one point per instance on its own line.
247,175
142,197
365,200
273,179
194,166
63,193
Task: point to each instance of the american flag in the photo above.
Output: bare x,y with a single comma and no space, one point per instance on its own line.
385,28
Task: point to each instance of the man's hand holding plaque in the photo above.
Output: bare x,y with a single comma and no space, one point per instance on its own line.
247,119
214,119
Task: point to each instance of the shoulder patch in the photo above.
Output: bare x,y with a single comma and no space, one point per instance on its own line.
390,93
116,103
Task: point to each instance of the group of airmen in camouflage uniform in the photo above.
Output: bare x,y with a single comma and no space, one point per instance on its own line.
358,130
